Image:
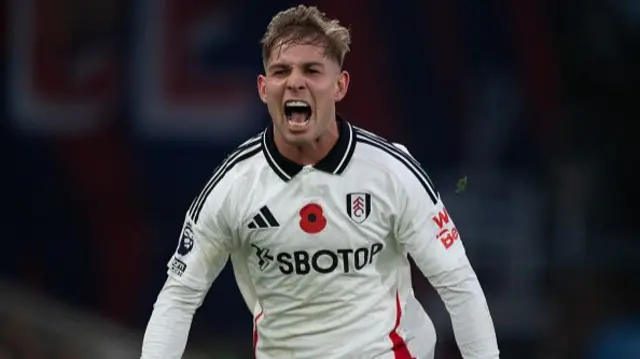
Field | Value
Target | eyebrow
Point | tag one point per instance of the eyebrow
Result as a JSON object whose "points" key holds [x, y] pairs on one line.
{"points": [[313, 63], [304, 64]]}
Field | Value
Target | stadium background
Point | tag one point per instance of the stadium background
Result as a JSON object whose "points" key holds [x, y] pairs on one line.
{"points": [[117, 112]]}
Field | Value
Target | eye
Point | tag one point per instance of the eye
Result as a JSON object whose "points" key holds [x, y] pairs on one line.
{"points": [[278, 71], [313, 71]]}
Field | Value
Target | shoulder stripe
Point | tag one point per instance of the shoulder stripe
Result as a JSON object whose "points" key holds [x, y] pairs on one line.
{"points": [[408, 156], [244, 152], [250, 141], [392, 146], [411, 163]]}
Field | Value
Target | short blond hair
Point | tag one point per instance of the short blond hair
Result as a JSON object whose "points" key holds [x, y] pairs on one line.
{"points": [[306, 25]]}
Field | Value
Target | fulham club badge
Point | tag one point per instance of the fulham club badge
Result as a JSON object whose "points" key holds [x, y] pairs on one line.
{"points": [[358, 206]]}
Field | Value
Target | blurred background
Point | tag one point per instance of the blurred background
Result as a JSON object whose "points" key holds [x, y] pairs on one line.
{"points": [[116, 113]]}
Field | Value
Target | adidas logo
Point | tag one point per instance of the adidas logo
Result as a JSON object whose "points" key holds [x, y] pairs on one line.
{"points": [[264, 219]]}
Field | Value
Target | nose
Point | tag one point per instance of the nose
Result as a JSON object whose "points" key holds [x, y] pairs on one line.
{"points": [[296, 81]]}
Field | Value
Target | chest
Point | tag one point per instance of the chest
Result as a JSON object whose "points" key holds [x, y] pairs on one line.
{"points": [[316, 211]]}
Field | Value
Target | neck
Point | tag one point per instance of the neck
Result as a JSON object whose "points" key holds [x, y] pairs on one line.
{"points": [[311, 153]]}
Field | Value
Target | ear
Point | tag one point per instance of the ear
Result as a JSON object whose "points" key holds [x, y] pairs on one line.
{"points": [[342, 85], [262, 88]]}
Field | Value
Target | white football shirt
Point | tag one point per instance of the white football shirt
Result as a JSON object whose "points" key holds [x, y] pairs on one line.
{"points": [[320, 253]]}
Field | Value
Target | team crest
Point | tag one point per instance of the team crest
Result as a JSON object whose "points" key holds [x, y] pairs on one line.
{"points": [[358, 206]]}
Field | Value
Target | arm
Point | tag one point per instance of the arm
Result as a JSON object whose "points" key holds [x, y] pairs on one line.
{"points": [[427, 232], [202, 252]]}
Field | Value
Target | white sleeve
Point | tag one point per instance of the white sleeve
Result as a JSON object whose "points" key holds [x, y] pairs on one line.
{"points": [[202, 252], [168, 329], [426, 231]]}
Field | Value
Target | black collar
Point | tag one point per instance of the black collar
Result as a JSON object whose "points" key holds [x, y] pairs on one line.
{"points": [[335, 162]]}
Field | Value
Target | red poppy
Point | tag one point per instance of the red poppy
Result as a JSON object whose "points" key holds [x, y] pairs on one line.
{"points": [[312, 218]]}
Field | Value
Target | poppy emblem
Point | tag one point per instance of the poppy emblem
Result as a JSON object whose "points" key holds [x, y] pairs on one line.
{"points": [[312, 218]]}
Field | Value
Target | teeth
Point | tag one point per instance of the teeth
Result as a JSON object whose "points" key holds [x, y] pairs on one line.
{"points": [[296, 104]]}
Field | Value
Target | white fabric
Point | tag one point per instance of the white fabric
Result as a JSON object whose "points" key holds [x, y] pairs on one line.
{"points": [[336, 293]]}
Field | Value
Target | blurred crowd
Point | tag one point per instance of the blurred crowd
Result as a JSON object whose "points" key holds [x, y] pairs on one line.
{"points": [[20, 341]]}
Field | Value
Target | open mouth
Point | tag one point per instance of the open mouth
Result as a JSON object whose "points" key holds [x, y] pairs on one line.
{"points": [[298, 113]]}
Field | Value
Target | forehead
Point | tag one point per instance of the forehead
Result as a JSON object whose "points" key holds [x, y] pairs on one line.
{"points": [[298, 53]]}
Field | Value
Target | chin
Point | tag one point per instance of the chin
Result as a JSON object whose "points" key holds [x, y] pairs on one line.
{"points": [[297, 135], [298, 138]]}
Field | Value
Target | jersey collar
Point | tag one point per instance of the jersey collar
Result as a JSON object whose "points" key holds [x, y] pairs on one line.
{"points": [[335, 162]]}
